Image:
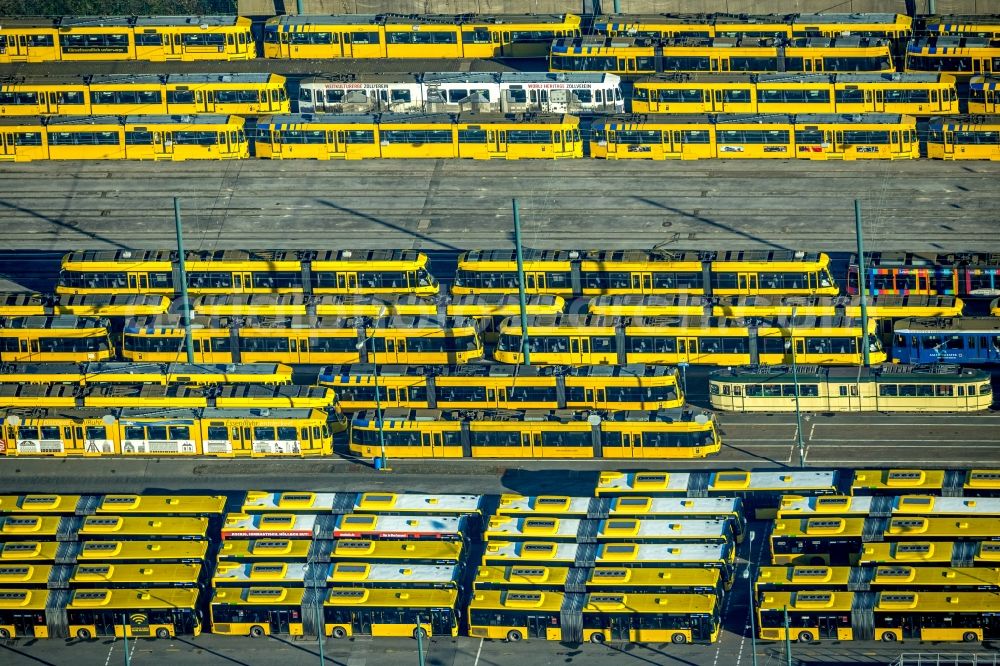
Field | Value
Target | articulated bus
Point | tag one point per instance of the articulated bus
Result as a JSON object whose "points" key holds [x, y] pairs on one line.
{"points": [[964, 274], [164, 374], [103, 527], [345, 612], [158, 575], [839, 541], [846, 506], [709, 508], [390, 527], [962, 57], [404, 135], [589, 340], [194, 551], [905, 481], [879, 388], [448, 340], [206, 431], [134, 94], [462, 92], [597, 617], [167, 396], [433, 433], [876, 579], [103, 38], [931, 553], [27, 304], [739, 136], [880, 306], [384, 503], [887, 26], [105, 137], [119, 504], [889, 616], [616, 554], [657, 271], [965, 137], [90, 613], [601, 579], [366, 551], [910, 94], [631, 56], [368, 36], [61, 338], [646, 530], [247, 272], [611, 387]]}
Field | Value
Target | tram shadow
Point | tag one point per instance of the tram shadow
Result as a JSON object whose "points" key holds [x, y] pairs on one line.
{"points": [[551, 481]]}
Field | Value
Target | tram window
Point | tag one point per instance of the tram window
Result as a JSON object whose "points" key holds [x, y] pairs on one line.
{"points": [[218, 433], [695, 136], [584, 96], [517, 95], [359, 137], [924, 390], [189, 138], [753, 136], [476, 36], [27, 138], [736, 95], [955, 342], [143, 138], [95, 432], [287, 433], [644, 63], [585, 63], [328, 344], [255, 344], [55, 345], [566, 438], [203, 39], [18, 98], [83, 138], [611, 438], [498, 438], [529, 136], [939, 64], [421, 37], [601, 343], [977, 138], [180, 97], [683, 64], [866, 137], [306, 38], [279, 280], [805, 390], [724, 280], [888, 390], [416, 136], [41, 40], [461, 393], [263, 433], [772, 390], [156, 432], [400, 95], [944, 390], [558, 280], [849, 96], [237, 96], [672, 95], [754, 390], [650, 344], [750, 64], [148, 39], [210, 280], [135, 432], [983, 280], [781, 280], [471, 136], [723, 345], [365, 37]]}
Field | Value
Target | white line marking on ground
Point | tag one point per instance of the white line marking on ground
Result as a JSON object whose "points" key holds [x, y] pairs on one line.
{"points": [[479, 651]]}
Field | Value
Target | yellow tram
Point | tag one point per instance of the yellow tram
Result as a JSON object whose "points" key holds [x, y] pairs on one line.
{"points": [[964, 138]]}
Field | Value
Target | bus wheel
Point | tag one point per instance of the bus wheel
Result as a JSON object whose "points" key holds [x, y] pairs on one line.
{"points": [[256, 631], [889, 637], [677, 639], [597, 638], [83, 634], [514, 636], [805, 637], [4, 634], [420, 633], [162, 632], [338, 632], [970, 637]]}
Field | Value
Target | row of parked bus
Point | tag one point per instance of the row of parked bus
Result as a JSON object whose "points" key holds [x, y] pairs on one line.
{"points": [[487, 136], [888, 568], [259, 94]]}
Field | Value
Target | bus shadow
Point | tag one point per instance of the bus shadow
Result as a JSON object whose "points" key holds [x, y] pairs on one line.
{"points": [[22, 653], [629, 650], [212, 652], [314, 652]]}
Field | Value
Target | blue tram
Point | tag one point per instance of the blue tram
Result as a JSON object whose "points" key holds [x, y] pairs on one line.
{"points": [[967, 340]]}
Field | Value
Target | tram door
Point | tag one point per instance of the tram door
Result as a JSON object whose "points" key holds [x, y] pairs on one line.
{"points": [[242, 283], [336, 143], [497, 140], [395, 351], [579, 350], [626, 65], [875, 100], [631, 445], [496, 397], [595, 397], [534, 282], [7, 145], [432, 444], [138, 283], [748, 283], [163, 143], [347, 282], [687, 350], [949, 143], [642, 283]]}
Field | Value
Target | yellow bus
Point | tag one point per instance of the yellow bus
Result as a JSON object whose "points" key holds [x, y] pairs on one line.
{"points": [[141, 551], [962, 57], [910, 94], [384, 503], [877, 578], [736, 136], [415, 36], [106, 526], [888, 26], [886, 306], [964, 137], [247, 271], [91, 374], [612, 387], [62, 432], [889, 616], [265, 549], [904, 481], [25, 576], [29, 552], [57, 338], [684, 433], [884, 388], [512, 528], [119, 504], [147, 575], [25, 304], [124, 95], [793, 506], [981, 483], [433, 136], [590, 340], [597, 617], [840, 541], [674, 580], [104, 137], [23, 613], [150, 612], [631, 56], [438, 340], [657, 271]]}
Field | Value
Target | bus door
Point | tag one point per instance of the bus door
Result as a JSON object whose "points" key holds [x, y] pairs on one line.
{"points": [[579, 350], [347, 282], [875, 100], [280, 621], [138, 283], [829, 628], [747, 283], [642, 283], [432, 444], [595, 397], [620, 627], [497, 141], [242, 282], [537, 626]]}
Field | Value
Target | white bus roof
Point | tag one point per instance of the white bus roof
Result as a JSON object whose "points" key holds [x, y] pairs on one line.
{"points": [[348, 572]]}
